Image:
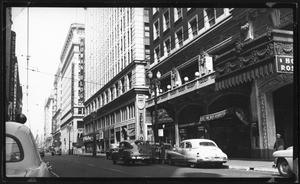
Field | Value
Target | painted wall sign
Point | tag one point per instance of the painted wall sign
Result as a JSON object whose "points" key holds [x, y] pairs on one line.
{"points": [[285, 64]]}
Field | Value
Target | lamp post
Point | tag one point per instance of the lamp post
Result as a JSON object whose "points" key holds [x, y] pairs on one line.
{"points": [[69, 128], [154, 84], [94, 133]]}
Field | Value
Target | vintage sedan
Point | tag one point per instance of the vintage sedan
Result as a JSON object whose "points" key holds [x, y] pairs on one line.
{"points": [[283, 160], [132, 151], [21, 153], [112, 148], [194, 152]]}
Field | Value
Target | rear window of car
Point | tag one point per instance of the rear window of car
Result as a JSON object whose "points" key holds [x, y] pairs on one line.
{"points": [[207, 144], [13, 149]]}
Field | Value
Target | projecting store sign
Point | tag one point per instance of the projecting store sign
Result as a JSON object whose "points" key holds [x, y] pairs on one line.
{"points": [[285, 64]]}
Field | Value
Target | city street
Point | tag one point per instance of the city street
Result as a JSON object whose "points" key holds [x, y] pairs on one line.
{"points": [[99, 167]]}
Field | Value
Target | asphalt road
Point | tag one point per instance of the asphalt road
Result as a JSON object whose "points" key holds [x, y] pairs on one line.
{"points": [[74, 166]]}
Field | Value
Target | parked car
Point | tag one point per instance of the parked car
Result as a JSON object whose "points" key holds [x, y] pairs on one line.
{"points": [[56, 151], [194, 152], [21, 153], [161, 151], [167, 148], [132, 151], [112, 148], [42, 152], [283, 160]]}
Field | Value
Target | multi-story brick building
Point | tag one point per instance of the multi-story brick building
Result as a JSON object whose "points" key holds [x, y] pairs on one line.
{"points": [[226, 74]]}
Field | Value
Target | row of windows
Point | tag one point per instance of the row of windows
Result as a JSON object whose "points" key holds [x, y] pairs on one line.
{"points": [[123, 114], [195, 27], [111, 93]]}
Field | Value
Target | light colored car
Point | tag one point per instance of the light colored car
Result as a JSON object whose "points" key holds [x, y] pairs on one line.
{"points": [[194, 152], [283, 160], [132, 151], [22, 156]]}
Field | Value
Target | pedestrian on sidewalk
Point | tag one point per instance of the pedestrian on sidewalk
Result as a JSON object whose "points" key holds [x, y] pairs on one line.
{"points": [[279, 144]]}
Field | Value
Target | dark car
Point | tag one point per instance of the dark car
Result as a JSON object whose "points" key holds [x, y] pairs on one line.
{"points": [[113, 147], [42, 152], [56, 151], [132, 151]]}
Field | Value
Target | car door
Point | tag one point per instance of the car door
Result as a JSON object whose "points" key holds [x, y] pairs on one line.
{"points": [[179, 156], [186, 151]]}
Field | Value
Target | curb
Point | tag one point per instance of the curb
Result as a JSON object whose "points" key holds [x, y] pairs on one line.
{"points": [[253, 169]]}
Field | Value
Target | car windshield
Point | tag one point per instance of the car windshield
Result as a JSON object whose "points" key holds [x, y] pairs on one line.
{"points": [[207, 144]]}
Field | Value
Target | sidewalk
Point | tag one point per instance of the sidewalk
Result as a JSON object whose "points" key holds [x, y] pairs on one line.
{"points": [[249, 164], [235, 163]]}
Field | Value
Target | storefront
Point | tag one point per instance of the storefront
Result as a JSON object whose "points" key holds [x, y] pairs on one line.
{"points": [[230, 130]]}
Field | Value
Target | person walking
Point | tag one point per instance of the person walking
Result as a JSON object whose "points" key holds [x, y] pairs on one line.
{"points": [[279, 143]]}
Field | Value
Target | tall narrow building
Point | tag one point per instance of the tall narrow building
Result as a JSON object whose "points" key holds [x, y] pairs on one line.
{"points": [[117, 45], [71, 80]]}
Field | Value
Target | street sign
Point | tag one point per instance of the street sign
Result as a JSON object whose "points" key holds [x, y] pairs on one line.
{"points": [[285, 64]]}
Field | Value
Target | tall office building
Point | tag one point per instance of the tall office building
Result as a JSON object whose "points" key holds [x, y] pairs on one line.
{"points": [[117, 44]]}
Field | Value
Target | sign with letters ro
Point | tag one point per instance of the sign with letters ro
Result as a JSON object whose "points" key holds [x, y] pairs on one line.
{"points": [[285, 64]]}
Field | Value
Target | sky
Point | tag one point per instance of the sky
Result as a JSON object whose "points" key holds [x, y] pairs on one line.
{"points": [[48, 28]]}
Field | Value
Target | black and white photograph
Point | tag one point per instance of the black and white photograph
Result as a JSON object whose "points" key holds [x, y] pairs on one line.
{"points": [[149, 92]]}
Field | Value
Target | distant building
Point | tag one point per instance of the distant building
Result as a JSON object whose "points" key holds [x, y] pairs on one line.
{"points": [[71, 74], [48, 114]]}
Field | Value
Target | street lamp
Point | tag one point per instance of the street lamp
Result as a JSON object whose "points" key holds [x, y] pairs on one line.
{"points": [[94, 133], [154, 84]]}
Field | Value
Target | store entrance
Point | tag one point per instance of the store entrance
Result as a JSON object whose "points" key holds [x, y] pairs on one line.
{"points": [[283, 110], [232, 136]]}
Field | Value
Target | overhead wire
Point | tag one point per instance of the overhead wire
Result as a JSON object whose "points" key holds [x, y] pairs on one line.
{"points": [[147, 59]]}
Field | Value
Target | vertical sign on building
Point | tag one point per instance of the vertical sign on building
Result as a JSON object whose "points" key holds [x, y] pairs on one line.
{"points": [[81, 73], [72, 89]]}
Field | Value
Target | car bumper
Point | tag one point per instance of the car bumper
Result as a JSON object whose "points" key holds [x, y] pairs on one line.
{"points": [[211, 160], [140, 158]]}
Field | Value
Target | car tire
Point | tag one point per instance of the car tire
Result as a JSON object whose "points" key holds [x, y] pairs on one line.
{"points": [[171, 162], [284, 169]]}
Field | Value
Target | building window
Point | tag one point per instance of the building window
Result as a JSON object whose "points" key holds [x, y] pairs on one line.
{"points": [[146, 11], [179, 38], [167, 47], [155, 10], [212, 14], [156, 54], [146, 27], [193, 27], [166, 20], [177, 13], [147, 51], [156, 29]]}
